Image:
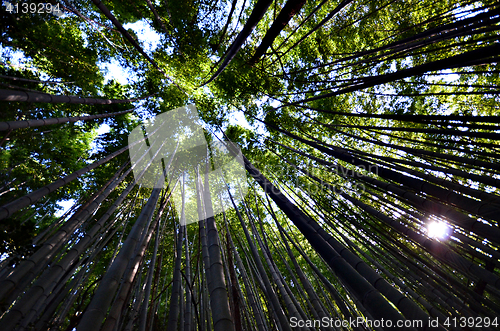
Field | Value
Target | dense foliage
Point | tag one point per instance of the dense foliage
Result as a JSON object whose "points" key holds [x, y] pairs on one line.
{"points": [[363, 125]]}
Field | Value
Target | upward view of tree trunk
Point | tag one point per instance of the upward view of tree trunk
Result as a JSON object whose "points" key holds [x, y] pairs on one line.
{"points": [[250, 165], [12, 125], [259, 10], [10, 95], [290, 9]]}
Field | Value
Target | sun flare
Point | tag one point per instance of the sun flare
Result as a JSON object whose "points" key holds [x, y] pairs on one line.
{"points": [[437, 230]]}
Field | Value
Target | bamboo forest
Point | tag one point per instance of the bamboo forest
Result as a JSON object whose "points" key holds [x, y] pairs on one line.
{"points": [[297, 165]]}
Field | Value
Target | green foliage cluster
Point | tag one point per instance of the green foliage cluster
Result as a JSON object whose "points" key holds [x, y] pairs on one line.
{"points": [[302, 97]]}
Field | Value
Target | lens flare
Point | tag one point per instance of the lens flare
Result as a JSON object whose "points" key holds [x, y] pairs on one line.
{"points": [[437, 230]]}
